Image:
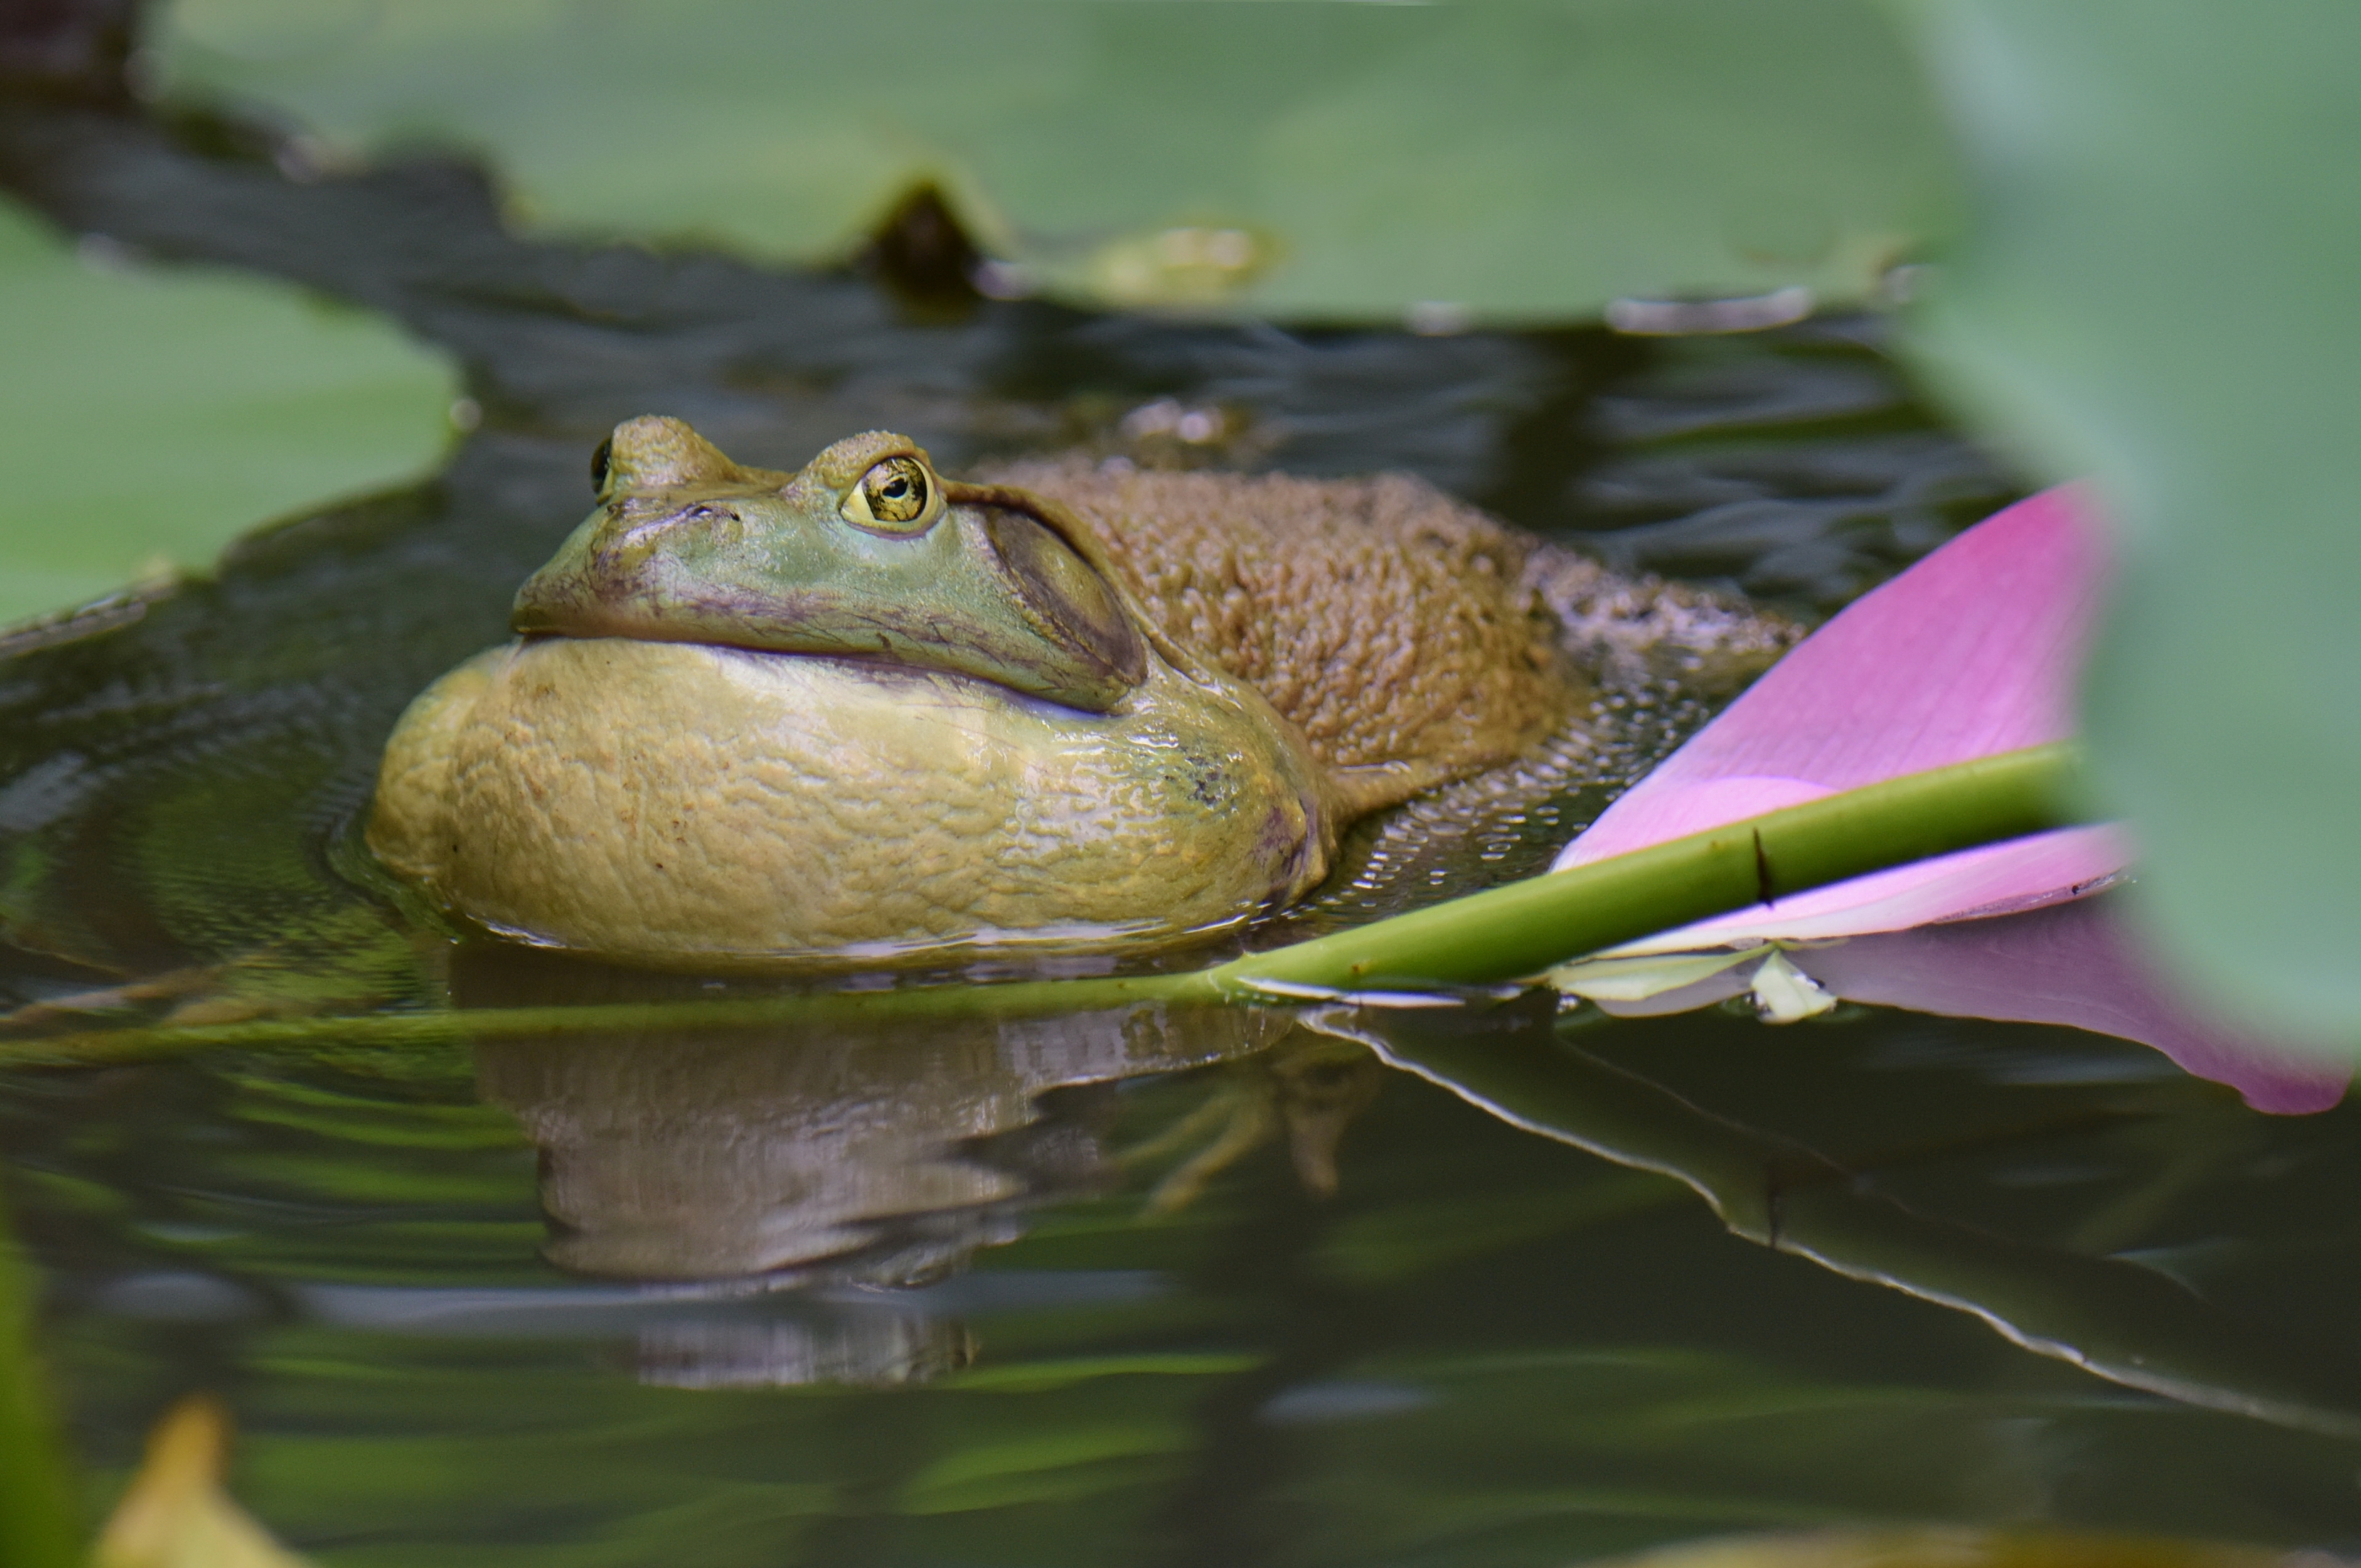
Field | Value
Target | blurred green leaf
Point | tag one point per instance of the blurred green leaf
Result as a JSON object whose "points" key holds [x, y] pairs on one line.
{"points": [[2157, 291], [36, 1522], [152, 413], [1307, 160]]}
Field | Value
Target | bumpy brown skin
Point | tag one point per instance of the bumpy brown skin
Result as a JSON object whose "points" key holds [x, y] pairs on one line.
{"points": [[1393, 625]]}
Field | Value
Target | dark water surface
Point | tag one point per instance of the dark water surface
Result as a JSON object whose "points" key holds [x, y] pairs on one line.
{"points": [[1283, 1286]]}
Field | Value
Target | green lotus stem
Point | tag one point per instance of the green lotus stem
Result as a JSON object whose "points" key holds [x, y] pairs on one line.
{"points": [[1503, 934], [39, 1526], [2118, 1321], [1509, 933], [1026, 998]]}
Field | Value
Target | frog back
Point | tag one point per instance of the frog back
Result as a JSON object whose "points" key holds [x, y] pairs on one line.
{"points": [[1396, 628]]}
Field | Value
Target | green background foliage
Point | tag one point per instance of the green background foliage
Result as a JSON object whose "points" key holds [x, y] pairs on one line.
{"points": [[2155, 290], [37, 1516], [152, 413], [1530, 161]]}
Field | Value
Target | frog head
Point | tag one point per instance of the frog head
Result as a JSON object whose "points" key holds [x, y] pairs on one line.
{"points": [[867, 553]]}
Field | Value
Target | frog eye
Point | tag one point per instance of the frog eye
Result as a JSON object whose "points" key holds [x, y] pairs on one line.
{"points": [[897, 496]]}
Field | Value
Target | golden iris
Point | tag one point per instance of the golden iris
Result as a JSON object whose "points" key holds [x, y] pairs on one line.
{"points": [[896, 494]]}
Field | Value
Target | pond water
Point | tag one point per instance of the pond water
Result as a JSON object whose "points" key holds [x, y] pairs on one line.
{"points": [[1317, 1285]]}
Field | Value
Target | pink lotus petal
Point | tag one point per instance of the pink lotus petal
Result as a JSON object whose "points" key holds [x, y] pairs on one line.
{"points": [[1971, 652], [2073, 964], [2070, 963], [2021, 874]]}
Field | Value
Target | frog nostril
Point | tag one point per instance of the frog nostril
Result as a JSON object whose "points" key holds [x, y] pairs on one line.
{"points": [[600, 462]]}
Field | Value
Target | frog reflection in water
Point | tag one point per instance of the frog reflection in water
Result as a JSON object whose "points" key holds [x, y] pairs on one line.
{"points": [[864, 710], [710, 1155], [873, 1153]]}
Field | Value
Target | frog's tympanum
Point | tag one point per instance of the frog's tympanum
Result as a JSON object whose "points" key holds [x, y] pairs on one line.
{"points": [[864, 710]]}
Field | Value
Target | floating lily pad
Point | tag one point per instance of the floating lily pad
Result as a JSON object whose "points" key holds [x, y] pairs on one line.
{"points": [[152, 413], [2157, 291], [1306, 159]]}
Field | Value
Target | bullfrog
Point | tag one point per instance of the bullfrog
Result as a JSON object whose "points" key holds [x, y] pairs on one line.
{"points": [[869, 711]]}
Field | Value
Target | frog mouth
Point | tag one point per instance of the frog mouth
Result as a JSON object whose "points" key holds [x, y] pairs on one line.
{"points": [[877, 642], [1022, 625]]}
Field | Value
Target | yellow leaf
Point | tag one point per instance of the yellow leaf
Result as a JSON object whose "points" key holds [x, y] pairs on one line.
{"points": [[176, 1514]]}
